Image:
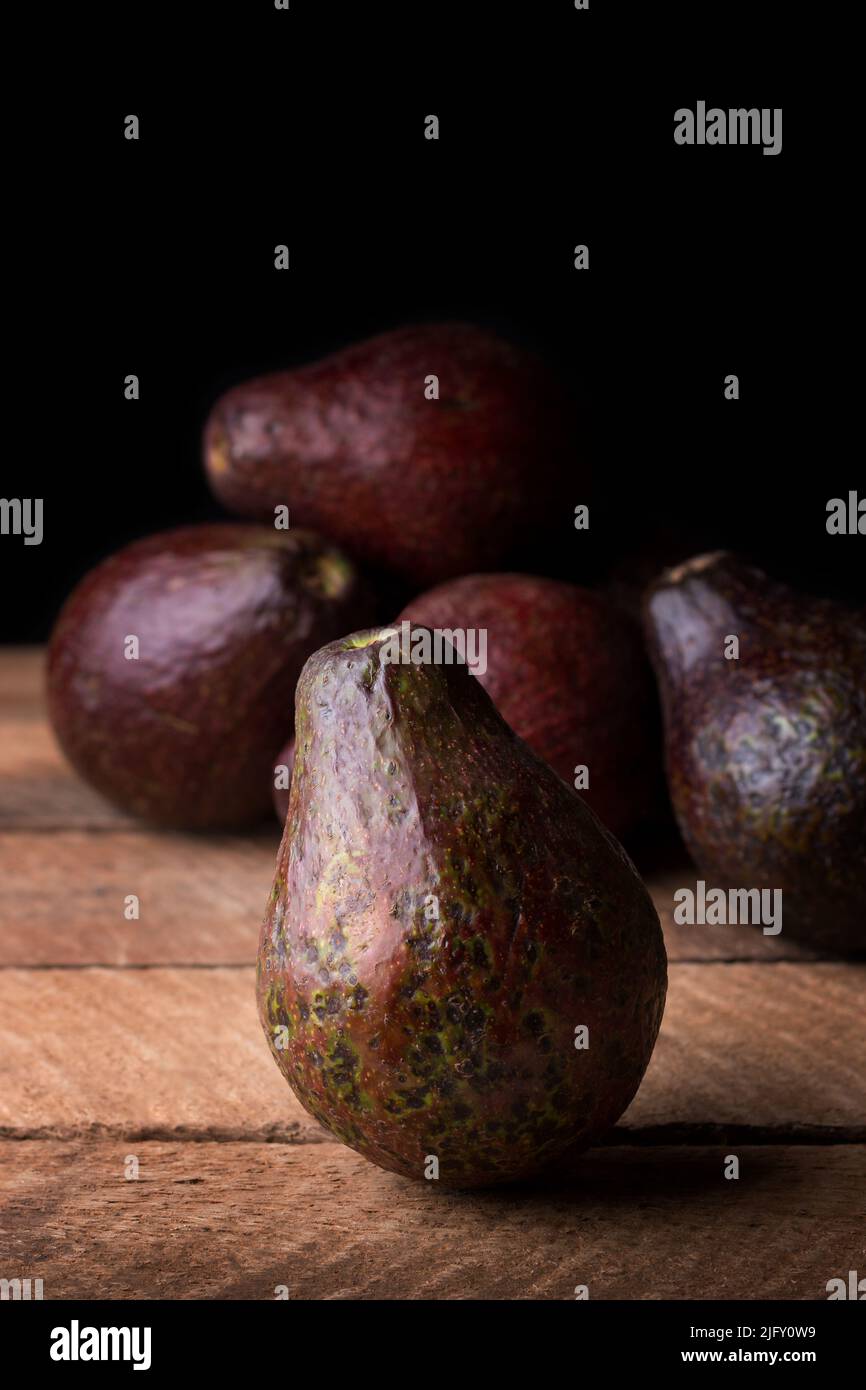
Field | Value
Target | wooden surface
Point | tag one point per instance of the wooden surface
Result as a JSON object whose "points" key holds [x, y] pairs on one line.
{"points": [[140, 1038], [237, 1220]]}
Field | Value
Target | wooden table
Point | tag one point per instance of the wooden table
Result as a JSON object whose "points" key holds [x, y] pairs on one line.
{"points": [[135, 1046]]}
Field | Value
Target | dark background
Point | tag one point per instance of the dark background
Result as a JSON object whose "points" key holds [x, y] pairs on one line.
{"points": [[307, 128]]}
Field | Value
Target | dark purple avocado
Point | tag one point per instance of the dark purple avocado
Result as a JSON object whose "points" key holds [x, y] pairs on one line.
{"points": [[422, 487], [446, 913], [766, 754], [224, 616], [568, 671]]}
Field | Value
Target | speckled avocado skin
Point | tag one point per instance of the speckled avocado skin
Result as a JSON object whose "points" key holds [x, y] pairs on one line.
{"points": [[423, 488], [445, 913], [766, 755], [568, 671], [225, 616]]}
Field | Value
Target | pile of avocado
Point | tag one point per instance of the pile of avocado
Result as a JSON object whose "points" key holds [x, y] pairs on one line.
{"points": [[460, 968]]}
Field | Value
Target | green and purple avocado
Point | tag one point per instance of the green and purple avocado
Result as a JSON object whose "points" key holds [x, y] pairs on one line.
{"points": [[766, 753], [446, 920]]}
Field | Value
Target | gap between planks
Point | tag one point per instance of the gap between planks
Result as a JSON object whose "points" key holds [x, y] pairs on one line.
{"points": [[660, 1136], [240, 965]]}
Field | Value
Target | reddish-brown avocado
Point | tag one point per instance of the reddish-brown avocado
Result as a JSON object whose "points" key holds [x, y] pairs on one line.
{"points": [[426, 488], [446, 915], [568, 671], [172, 666], [766, 754]]}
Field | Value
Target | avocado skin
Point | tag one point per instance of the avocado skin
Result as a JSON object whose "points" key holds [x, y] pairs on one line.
{"points": [[445, 913], [425, 489], [568, 671], [766, 755], [226, 615]]}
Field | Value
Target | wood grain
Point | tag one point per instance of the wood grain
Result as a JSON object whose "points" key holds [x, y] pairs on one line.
{"points": [[165, 1053], [201, 898], [236, 1221]]}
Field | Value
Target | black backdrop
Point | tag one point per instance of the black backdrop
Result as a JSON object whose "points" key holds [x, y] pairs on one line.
{"points": [[306, 127]]}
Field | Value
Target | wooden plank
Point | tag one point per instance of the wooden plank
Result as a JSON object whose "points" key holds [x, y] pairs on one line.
{"points": [[167, 1052], [201, 898], [779, 1049], [38, 788], [22, 681], [163, 1053], [237, 1221]]}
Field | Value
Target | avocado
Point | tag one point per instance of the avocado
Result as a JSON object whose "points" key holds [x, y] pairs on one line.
{"points": [[172, 666], [460, 973], [766, 748], [568, 671], [425, 452]]}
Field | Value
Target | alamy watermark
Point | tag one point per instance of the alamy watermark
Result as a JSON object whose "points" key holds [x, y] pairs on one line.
{"points": [[20, 1290], [438, 646], [736, 126], [853, 1287], [716, 908], [22, 516], [77, 1343], [847, 516]]}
